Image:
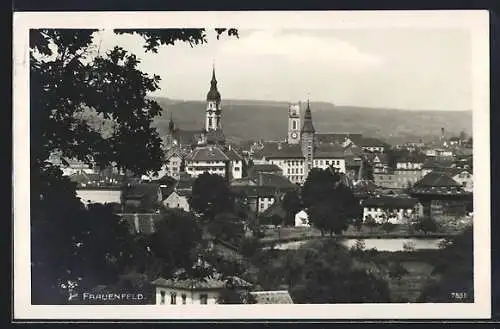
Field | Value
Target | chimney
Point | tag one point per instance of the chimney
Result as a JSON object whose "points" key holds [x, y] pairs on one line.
{"points": [[279, 146], [260, 179], [229, 147]]}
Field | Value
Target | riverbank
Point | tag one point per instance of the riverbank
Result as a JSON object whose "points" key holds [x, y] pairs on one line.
{"points": [[269, 241]]}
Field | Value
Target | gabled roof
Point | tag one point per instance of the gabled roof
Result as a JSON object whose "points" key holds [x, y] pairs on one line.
{"points": [[432, 163], [233, 154], [272, 297], [192, 284], [329, 152], [266, 167], [207, 153], [436, 179], [452, 172], [140, 190], [283, 151], [273, 180], [390, 202], [371, 141]]}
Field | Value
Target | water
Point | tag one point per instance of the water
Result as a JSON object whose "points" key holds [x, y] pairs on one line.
{"points": [[379, 244]]}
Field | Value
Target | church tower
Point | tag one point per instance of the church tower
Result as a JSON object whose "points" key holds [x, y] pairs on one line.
{"points": [[293, 124], [213, 114], [307, 141]]}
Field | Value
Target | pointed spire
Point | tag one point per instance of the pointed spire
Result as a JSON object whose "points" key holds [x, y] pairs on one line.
{"points": [[308, 126], [213, 93], [171, 124]]}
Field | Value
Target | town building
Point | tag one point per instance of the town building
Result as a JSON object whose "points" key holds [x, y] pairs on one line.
{"points": [[442, 197], [396, 210], [463, 177], [191, 291], [379, 162], [261, 191], [178, 200]]}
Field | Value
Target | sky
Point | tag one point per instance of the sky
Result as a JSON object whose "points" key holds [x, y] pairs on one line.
{"points": [[402, 68]]}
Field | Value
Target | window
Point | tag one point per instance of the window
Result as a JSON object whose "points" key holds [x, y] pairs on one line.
{"points": [[327, 162], [236, 168], [210, 122], [162, 295], [183, 296], [173, 298], [203, 299], [294, 123]]}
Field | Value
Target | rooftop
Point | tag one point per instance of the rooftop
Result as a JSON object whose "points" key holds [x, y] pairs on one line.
{"points": [[192, 284], [436, 179], [207, 153], [390, 202], [272, 297]]}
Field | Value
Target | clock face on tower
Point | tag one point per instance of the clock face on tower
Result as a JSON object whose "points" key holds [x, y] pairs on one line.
{"points": [[294, 135]]}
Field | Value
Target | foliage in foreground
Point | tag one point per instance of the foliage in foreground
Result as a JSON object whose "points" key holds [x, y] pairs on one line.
{"points": [[69, 79]]}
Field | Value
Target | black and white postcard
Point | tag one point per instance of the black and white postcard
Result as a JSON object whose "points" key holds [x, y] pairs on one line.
{"points": [[218, 165]]}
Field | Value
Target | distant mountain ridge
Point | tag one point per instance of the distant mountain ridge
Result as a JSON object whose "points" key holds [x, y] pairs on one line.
{"points": [[257, 119]]}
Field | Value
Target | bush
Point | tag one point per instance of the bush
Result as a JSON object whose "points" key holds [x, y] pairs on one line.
{"points": [[426, 225], [388, 227]]}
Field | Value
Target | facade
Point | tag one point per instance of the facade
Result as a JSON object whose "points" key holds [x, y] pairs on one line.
{"points": [[173, 163], [293, 124], [170, 292], [177, 200], [396, 210], [379, 163], [214, 159], [443, 198], [372, 145], [262, 191]]}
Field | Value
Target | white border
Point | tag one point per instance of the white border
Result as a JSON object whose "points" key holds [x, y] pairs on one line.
{"points": [[477, 22]]}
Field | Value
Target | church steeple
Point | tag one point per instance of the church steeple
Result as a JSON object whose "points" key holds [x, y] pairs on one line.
{"points": [[213, 114], [213, 93], [308, 126], [171, 124]]}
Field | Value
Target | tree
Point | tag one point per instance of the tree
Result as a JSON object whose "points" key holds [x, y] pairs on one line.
{"points": [[426, 224], [249, 246], [227, 227], [232, 296], [210, 195], [175, 241], [291, 205], [397, 271], [331, 205], [371, 223], [71, 83], [358, 223], [388, 227], [326, 272]]}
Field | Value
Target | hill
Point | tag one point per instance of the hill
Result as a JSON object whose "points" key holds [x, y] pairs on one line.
{"points": [[250, 120]]}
